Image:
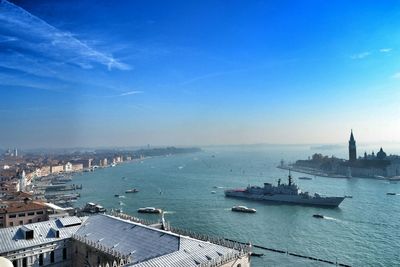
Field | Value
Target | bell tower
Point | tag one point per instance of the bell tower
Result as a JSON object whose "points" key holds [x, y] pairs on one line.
{"points": [[352, 148]]}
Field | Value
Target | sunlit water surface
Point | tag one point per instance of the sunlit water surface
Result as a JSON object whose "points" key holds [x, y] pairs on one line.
{"points": [[364, 230]]}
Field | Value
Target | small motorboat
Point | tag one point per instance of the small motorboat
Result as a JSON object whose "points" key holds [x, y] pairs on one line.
{"points": [[133, 190], [243, 209], [391, 194], [319, 216], [213, 192], [305, 178], [149, 210], [116, 195]]}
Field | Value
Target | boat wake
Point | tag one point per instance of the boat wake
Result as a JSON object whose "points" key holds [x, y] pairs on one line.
{"points": [[121, 196], [169, 212], [330, 218]]}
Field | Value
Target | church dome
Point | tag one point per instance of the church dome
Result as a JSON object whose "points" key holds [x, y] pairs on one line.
{"points": [[381, 154]]}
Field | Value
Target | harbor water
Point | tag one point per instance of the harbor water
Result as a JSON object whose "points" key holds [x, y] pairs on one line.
{"points": [[363, 231]]}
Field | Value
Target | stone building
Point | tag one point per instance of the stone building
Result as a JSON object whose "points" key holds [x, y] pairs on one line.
{"points": [[14, 213], [57, 168]]}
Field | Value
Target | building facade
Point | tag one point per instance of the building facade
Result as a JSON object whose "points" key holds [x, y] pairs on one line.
{"points": [[13, 213]]}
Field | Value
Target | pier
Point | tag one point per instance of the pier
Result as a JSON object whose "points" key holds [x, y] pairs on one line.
{"points": [[292, 254]]}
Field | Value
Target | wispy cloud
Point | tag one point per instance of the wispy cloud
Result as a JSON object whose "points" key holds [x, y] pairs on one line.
{"points": [[361, 55], [131, 93], [211, 75], [396, 75], [123, 94], [385, 50], [34, 35]]}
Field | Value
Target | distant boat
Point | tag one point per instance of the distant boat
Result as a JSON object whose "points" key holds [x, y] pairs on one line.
{"points": [[149, 210], [113, 165], [93, 208], [213, 192], [391, 194], [133, 190], [305, 178], [319, 216], [243, 209], [116, 195]]}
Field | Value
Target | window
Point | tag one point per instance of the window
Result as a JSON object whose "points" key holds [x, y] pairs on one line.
{"points": [[41, 260], [21, 215], [52, 256], [39, 212], [24, 262], [31, 213], [21, 222], [12, 216], [30, 221], [64, 253], [11, 224], [15, 263], [39, 219]]}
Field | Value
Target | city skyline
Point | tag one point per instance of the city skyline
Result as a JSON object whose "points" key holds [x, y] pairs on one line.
{"points": [[75, 74]]}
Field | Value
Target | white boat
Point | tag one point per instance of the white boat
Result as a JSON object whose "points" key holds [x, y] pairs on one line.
{"points": [[149, 210], [243, 209], [133, 190]]}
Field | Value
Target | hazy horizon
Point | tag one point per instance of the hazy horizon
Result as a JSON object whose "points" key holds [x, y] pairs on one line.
{"points": [[79, 74]]}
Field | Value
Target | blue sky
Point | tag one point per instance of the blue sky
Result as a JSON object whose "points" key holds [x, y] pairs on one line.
{"points": [[105, 73]]}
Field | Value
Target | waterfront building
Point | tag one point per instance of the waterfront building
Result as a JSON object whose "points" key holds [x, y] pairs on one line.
{"points": [[77, 167], [44, 171], [105, 240], [68, 167], [57, 169], [86, 163]]}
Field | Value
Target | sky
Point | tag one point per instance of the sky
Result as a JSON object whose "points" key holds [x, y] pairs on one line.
{"points": [[130, 73]]}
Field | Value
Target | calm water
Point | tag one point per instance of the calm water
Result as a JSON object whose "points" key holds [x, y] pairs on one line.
{"points": [[364, 231]]}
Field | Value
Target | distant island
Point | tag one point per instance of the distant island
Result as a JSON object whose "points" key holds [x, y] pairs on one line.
{"points": [[379, 165]]}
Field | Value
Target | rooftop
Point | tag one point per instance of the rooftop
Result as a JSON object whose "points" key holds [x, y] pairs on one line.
{"points": [[21, 206], [147, 246], [12, 238]]}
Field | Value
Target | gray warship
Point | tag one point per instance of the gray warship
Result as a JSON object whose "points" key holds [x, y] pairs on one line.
{"points": [[284, 193]]}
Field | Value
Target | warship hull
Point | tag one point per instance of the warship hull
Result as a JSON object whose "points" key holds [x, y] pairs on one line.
{"points": [[331, 202]]}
